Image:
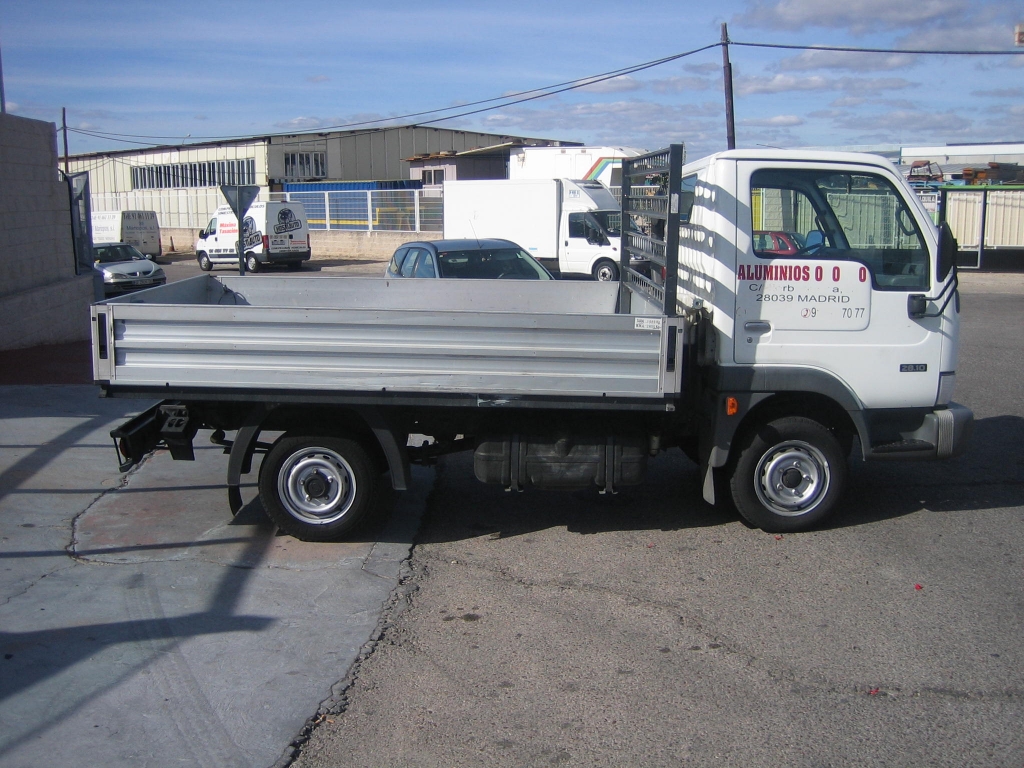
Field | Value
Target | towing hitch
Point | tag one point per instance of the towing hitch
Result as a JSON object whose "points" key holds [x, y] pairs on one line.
{"points": [[165, 424]]}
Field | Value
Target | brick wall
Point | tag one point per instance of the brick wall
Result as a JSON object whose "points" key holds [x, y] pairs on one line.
{"points": [[42, 301]]}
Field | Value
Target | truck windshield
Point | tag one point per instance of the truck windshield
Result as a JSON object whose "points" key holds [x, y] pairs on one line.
{"points": [[491, 263], [609, 221], [825, 214]]}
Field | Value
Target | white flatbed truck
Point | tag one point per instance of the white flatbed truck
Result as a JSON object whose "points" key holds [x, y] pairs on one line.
{"points": [[765, 368]]}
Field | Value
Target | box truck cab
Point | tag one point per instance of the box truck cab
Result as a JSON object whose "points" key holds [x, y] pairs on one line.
{"points": [[138, 228], [272, 233], [602, 164], [570, 226]]}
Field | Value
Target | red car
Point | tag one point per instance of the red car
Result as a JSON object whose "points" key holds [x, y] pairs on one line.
{"points": [[778, 243]]}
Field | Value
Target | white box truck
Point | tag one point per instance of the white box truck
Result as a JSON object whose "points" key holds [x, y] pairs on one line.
{"points": [[767, 369], [571, 226], [602, 164], [272, 233], [138, 228]]}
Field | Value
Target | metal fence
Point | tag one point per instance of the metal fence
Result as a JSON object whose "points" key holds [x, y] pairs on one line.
{"points": [[388, 210]]}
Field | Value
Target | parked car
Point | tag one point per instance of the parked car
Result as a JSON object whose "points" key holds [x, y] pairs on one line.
{"points": [[778, 243], [473, 259], [124, 268]]}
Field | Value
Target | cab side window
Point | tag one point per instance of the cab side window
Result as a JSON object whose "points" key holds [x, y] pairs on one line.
{"points": [[395, 267], [425, 266], [410, 261], [577, 225], [822, 214], [211, 228]]}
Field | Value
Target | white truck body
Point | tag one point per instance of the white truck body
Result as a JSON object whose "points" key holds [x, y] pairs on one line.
{"points": [[602, 164], [765, 367], [569, 225], [138, 228], [273, 233]]}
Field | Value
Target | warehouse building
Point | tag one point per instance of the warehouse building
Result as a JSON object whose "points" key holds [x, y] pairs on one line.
{"points": [[181, 182]]}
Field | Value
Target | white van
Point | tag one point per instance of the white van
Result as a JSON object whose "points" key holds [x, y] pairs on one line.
{"points": [[138, 228], [273, 233]]}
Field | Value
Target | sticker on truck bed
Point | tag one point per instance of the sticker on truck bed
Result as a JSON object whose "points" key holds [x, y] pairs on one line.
{"points": [[804, 295], [647, 323]]}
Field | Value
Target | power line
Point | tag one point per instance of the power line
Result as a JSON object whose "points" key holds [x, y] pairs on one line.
{"points": [[914, 51], [533, 94], [508, 100]]}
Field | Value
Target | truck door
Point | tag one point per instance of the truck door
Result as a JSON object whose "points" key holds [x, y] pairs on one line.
{"points": [[838, 303], [583, 243]]}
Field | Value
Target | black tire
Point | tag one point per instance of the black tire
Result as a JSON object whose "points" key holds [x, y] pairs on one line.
{"points": [[789, 475], [252, 264], [605, 271], [204, 262], [318, 488]]}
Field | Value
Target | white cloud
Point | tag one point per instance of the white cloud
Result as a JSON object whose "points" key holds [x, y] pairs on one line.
{"points": [[748, 86], [858, 17], [848, 101], [757, 84], [898, 120], [682, 84], [967, 33], [12, 106], [302, 124], [620, 84], [778, 121], [858, 62], [633, 122], [1001, 93]]}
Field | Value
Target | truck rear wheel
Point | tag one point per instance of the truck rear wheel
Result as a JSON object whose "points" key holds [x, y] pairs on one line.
{"points": [[606, 271], [204, 262], [317, 488], [252, 263], [789, 475]]}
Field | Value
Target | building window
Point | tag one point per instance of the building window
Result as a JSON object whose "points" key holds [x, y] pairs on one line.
{"points": [[209, 174], [433, 176], [305, 165]]}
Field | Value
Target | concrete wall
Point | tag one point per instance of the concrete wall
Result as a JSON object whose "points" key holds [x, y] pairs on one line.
{"points": [[325, 244], [42, 300]]}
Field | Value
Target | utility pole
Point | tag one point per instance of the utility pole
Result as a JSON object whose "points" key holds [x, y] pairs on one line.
{"points": [[64, 126], [730, 124], [3, 101]]}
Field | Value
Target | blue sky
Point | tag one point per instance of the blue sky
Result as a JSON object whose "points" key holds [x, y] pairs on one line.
{"points": [[182, 71]]}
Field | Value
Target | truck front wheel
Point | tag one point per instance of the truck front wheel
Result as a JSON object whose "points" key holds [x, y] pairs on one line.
{"points": [[606, 271], [317, 488], [789, 475], [204, 262]]}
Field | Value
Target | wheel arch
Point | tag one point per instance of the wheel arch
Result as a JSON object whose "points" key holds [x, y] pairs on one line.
{"points": [[367, 424], [811, 405]]}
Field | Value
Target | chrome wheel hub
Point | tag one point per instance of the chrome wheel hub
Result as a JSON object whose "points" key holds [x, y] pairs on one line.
{"points": [[792, 478]]}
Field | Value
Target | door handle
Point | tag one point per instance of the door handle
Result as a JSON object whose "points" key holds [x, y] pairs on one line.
{"points": [[757, 326]]}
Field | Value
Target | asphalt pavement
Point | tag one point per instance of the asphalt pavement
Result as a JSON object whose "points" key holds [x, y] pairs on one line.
{"points": [[648, 629], [141, 625]]}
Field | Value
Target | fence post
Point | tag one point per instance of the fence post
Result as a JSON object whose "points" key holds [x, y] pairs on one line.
{"points": [[369, 210], [416, 207], [327, 210]]}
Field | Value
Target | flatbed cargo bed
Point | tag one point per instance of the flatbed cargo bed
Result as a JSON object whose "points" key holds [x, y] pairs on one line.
{"points": [[294, 334]]}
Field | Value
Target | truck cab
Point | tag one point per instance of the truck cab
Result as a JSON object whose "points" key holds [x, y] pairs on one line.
{"points": [[589, 228], [854, 332]]}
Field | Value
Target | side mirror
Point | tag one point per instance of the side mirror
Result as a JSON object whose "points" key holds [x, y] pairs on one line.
{"points": [[917, 305], [202, 234], [948, 248]]}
